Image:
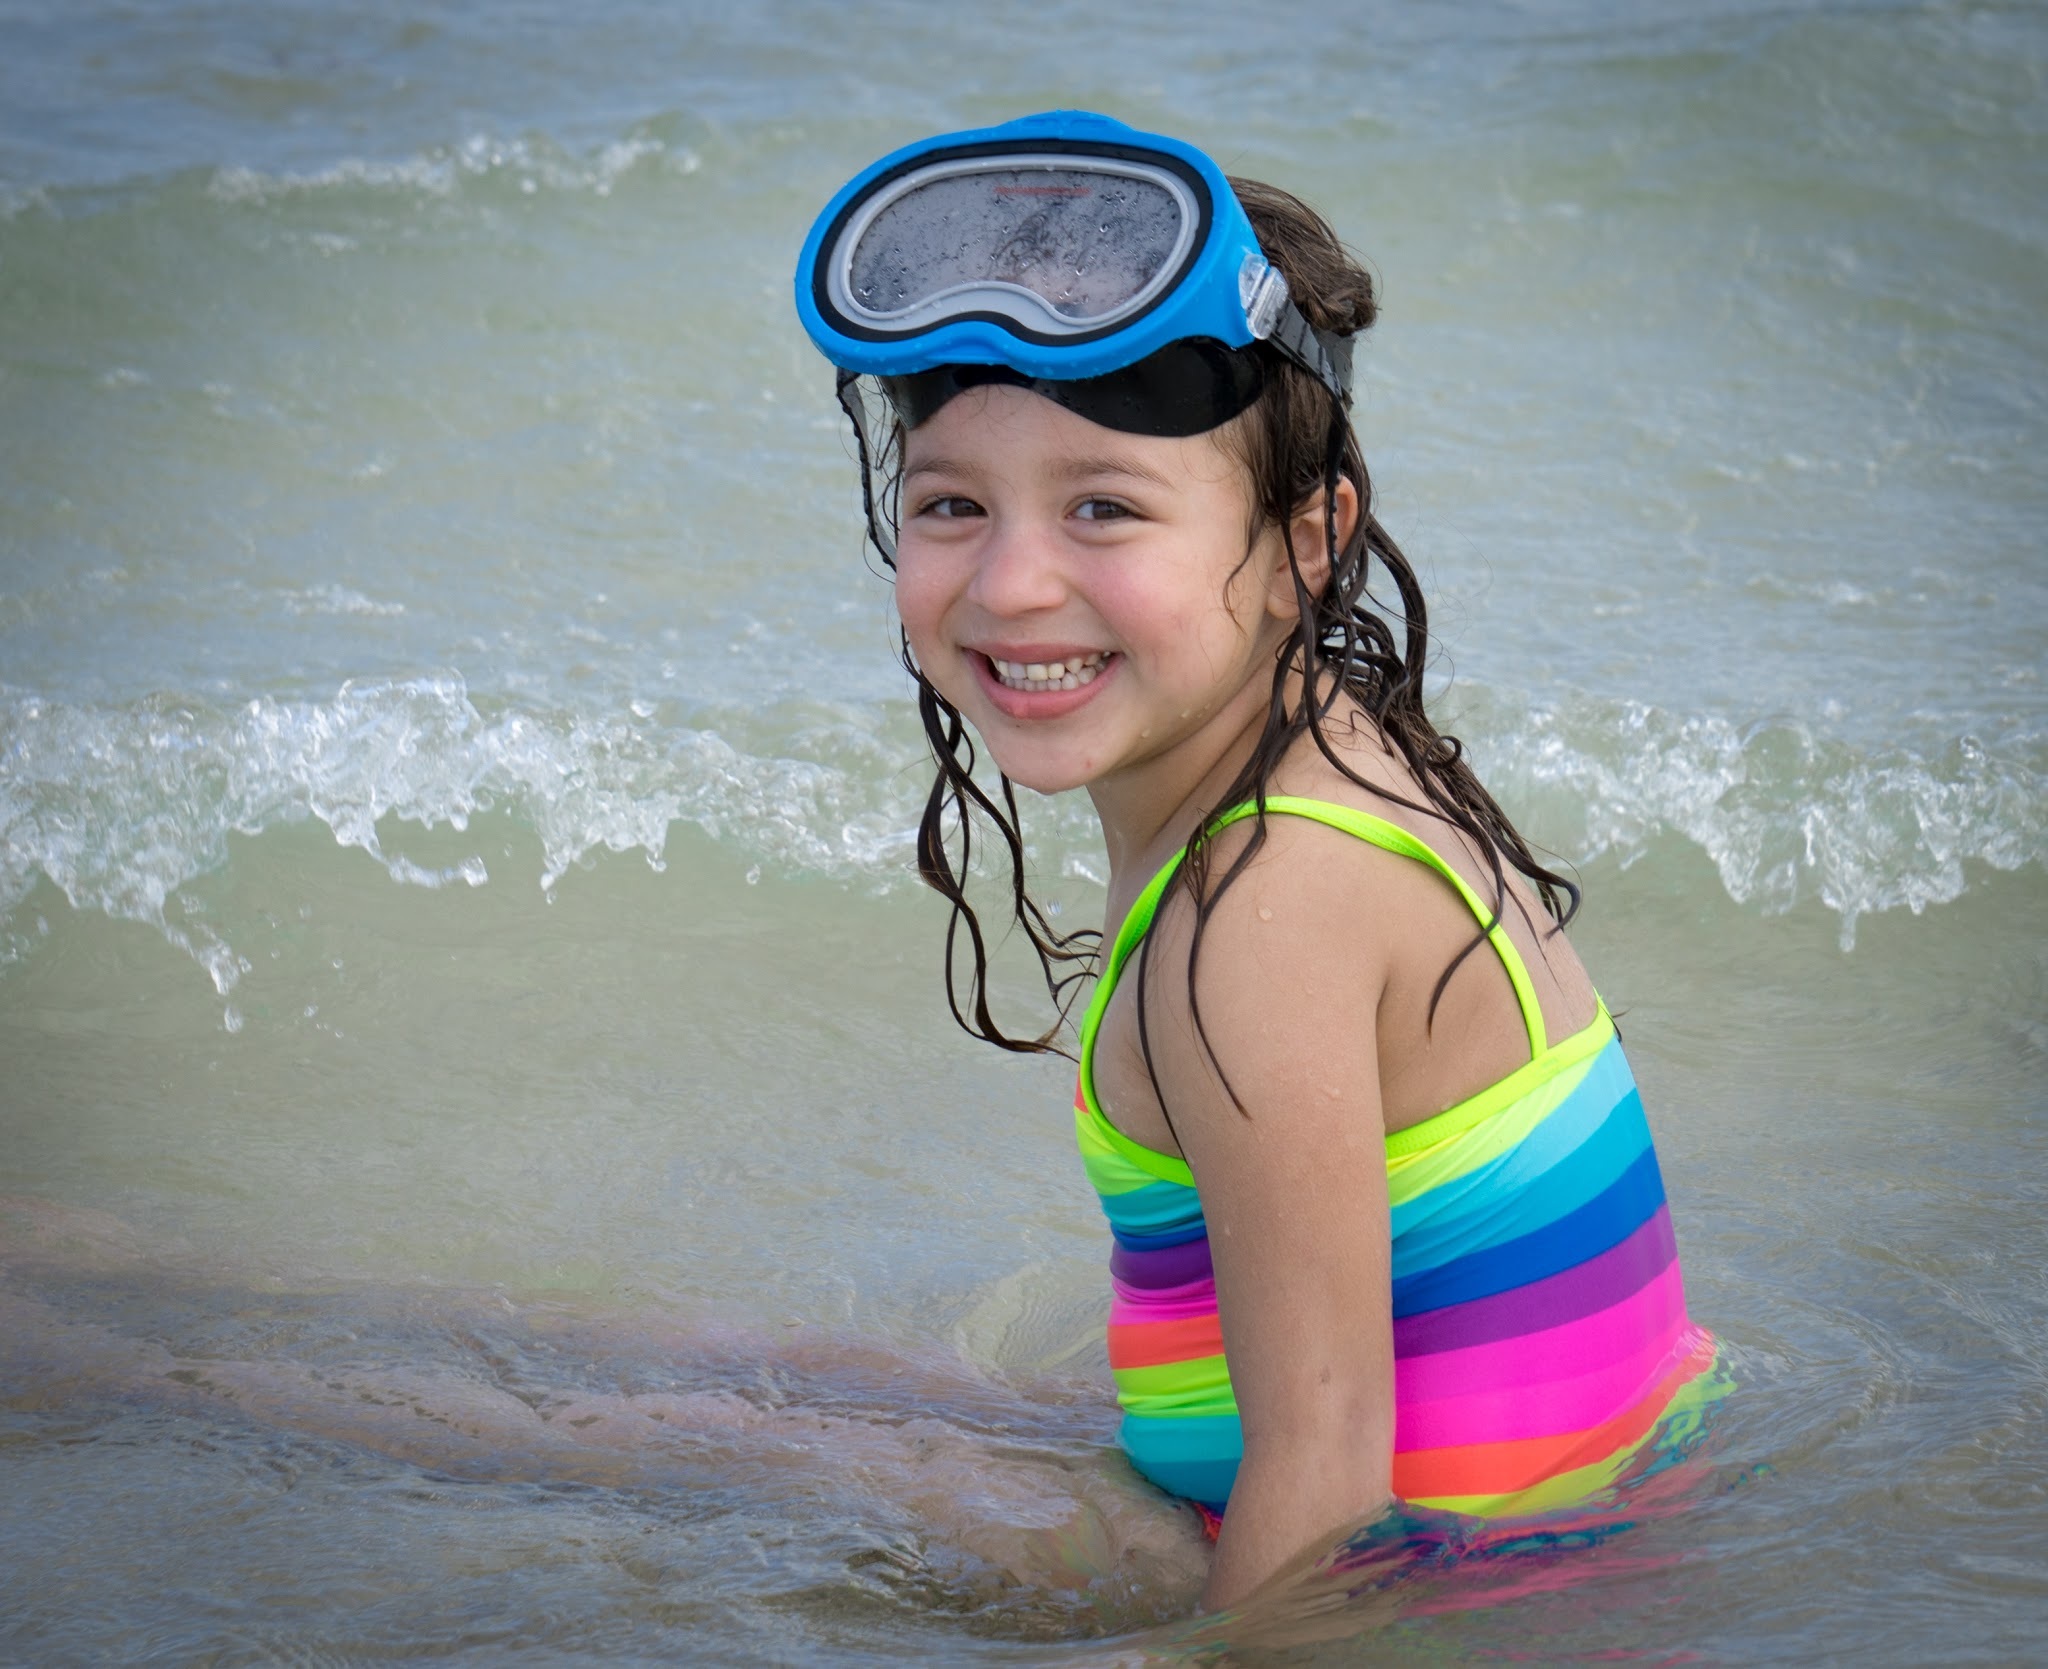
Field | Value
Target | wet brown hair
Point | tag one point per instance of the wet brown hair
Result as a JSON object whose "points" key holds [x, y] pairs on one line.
{"points": [[1294, 442]]}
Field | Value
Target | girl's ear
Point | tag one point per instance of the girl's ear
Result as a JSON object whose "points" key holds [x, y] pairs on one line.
{"points": [[1311, 549]]}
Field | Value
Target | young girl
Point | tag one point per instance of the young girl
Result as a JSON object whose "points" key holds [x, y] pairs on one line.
{"points": [[1387, 1221]]}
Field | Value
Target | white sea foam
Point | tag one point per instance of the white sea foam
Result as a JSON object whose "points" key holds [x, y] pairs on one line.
{"points": [[16, 199], [534, 163], [120, 808], [1785, 814], [336, 599]]}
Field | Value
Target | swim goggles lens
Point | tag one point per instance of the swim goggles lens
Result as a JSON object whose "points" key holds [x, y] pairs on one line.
{"points": [[1054, 249]]}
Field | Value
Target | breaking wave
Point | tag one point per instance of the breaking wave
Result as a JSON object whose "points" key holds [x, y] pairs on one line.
{"points": [[120, 807], [1784, 813]]}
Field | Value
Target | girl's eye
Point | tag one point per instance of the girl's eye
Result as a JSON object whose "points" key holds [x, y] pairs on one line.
{"points": [[1102, 510], [949, 505]]}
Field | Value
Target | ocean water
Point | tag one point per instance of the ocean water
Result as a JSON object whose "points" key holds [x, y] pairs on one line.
{"points": [[456, 793]]}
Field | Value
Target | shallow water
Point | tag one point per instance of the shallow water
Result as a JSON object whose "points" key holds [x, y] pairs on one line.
{"points": [[454, 795]]}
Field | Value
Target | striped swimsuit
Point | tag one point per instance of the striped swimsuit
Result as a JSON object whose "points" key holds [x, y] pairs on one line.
{"points": [[1540, 1331]]}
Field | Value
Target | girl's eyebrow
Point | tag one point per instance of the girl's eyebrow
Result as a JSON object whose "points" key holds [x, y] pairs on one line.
{"points": [[1075, 469], [936, 466], [1066, 469]]}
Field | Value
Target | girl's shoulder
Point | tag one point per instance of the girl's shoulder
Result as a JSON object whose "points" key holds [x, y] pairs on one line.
{"points": [[1336, 878], [1367, 825], [1353, 924], [1390, 900], [1376, 810]]}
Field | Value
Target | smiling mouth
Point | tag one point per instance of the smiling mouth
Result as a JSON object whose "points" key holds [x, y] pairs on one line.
{"points": [[1069, 674]]}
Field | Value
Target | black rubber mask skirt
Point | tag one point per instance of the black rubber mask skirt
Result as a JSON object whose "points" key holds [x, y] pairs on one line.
{"points": [[1186, 388]]}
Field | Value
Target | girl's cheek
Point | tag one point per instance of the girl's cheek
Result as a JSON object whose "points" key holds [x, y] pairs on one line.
{"points": [[920, 602]]}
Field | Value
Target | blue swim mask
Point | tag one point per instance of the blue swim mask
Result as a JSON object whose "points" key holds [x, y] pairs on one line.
{"points": [[1109, 270]]}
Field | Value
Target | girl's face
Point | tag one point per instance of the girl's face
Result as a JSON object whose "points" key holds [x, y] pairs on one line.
{"points": [[1084, 597]]}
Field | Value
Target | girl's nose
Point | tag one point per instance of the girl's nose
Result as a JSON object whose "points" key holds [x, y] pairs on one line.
{"points": [[1019, 572]]}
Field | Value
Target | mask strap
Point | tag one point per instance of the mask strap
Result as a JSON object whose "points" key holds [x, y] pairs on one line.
{"points": [[1323, 355]]}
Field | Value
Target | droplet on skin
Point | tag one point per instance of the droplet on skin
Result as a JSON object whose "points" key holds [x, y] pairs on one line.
{"points": [[1265, 912]]}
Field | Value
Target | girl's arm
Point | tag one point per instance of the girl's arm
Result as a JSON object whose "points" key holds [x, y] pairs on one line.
{"points": [[1294, 1186]]}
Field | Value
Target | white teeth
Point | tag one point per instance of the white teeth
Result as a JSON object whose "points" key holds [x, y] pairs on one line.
{"points": [[1069, 674]]}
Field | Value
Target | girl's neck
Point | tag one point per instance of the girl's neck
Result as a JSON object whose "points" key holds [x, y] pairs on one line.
{"points": [[1150, 811]]}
